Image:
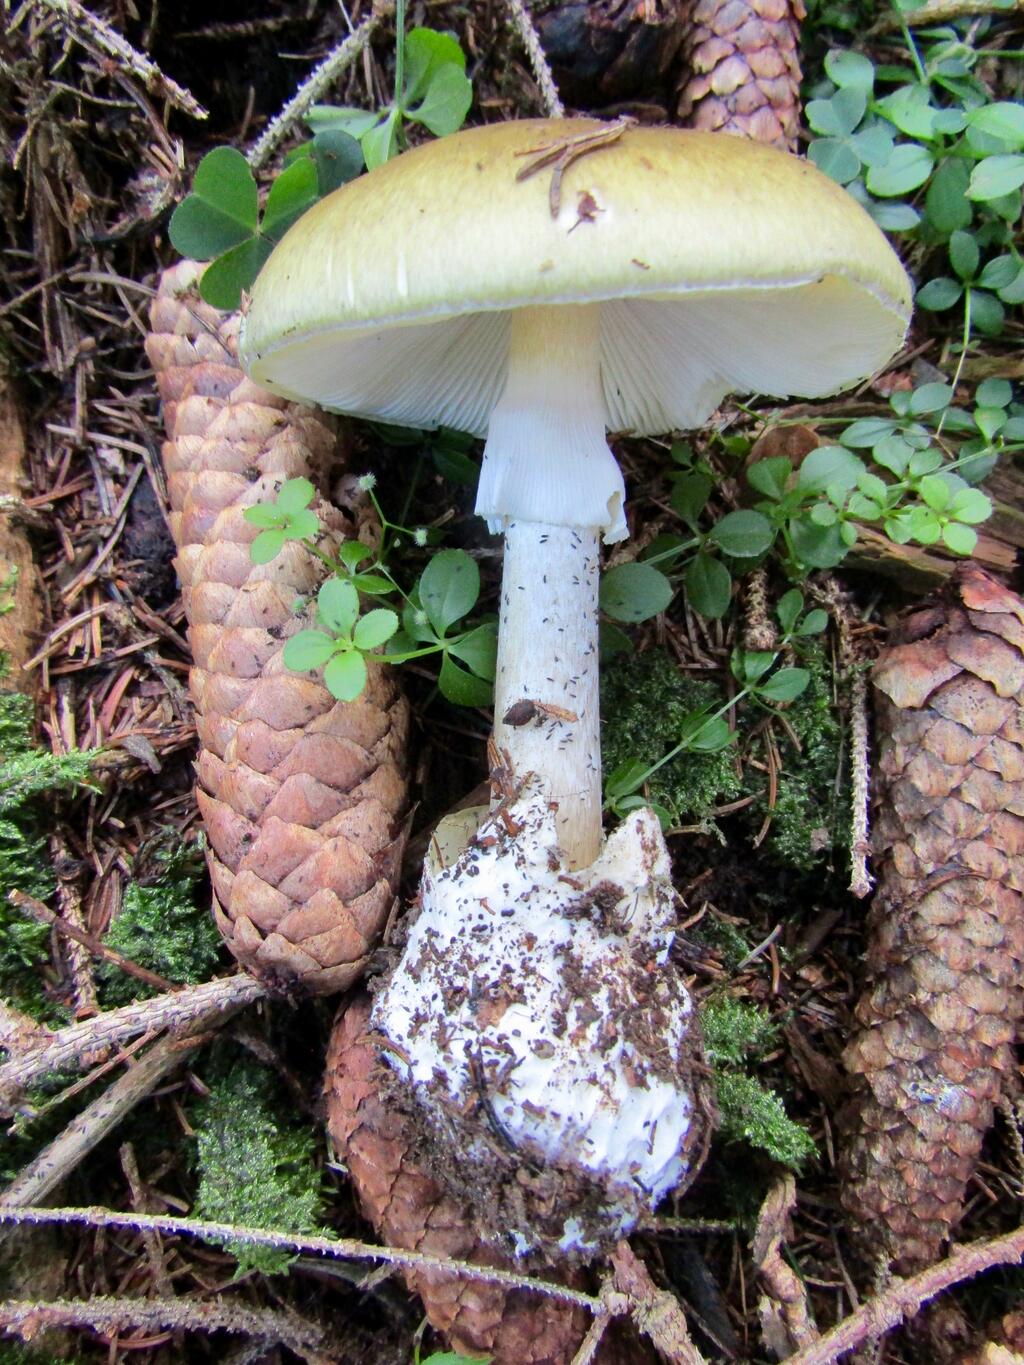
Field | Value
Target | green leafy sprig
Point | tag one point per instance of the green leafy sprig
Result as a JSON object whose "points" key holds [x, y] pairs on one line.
{"points": [[431, 89], [935, 156], [289, 517]]}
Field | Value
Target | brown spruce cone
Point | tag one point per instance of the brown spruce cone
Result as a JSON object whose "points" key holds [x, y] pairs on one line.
{"points": [[743, 61], [409, 1210], [946, 929], [303, 796]]}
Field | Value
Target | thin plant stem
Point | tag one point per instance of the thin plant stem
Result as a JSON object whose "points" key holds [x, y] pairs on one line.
{"points": [[399, 51]]}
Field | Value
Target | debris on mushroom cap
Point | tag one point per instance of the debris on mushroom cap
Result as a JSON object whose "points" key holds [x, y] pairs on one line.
{"points": [[535, 1015]]}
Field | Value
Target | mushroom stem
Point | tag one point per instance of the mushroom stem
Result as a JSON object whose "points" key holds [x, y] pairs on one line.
{"points": [[550, 482], [548, 657]]}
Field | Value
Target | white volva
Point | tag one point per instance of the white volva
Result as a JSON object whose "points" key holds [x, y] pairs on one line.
{"points": [[542, 996]]}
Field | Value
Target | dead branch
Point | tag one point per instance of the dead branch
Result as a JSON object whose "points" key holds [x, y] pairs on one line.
{"points": [[316, 83], [67, 926], [72, 1046], [523, 25], [92, 32], [87, 1129], [341, 1248], [656, 1312], [28, 1317], [904, 1298], [785, 1319]]}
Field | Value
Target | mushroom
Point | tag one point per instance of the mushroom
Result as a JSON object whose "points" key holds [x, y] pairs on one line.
{"points": [[542, 282]]}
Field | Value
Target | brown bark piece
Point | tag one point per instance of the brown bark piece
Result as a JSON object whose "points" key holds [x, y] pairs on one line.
{"points": [[744, 69], [20, 617], [946, 930], [410, 1210], [303, 796]]}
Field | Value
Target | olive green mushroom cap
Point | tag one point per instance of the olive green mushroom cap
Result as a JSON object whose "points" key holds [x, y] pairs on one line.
{"points": [[721, 265]]}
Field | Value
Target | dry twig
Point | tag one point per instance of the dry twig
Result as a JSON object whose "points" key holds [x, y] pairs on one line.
{"points": [[316, 83], [86, 1130], [904, 1298], [93, 32], [341, 1248], [80, 939], [785, 1320], [656, 1312], [523, 24], [27, 1317], [74, 1045]]}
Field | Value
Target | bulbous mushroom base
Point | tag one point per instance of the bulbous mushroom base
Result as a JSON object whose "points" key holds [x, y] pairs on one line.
{"points": [[545, 1048]]}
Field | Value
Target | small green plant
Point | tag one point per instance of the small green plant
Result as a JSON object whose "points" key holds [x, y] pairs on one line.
{"points": [[445, 593], [220, 220], [922, 489], [937, 136], [431, 89], [255, 1167], [339, 650], [288, 517], [706, 729], [450, 1358], [736, 1036]]}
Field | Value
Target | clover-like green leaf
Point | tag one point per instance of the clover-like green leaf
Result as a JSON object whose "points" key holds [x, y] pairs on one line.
{"points": [[338, 158], [828, 467], [909, 166], [225, 278], [708, 586], [293, 192], [478, 649], [789, 607], [996, 176], [770, 476], [939, 293], [958, 538], [294, 495], [266, 546], [461, 687], [221, 212], [444, 107], [380, 144], [785, 685], [744, 534], [427, 53], [970, 505], [302, 525], [266, 515]]}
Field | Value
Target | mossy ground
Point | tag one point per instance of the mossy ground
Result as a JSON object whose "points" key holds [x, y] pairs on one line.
{"points": [[255, 1163], [645, 701], [28, 775], [163, 925]]}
